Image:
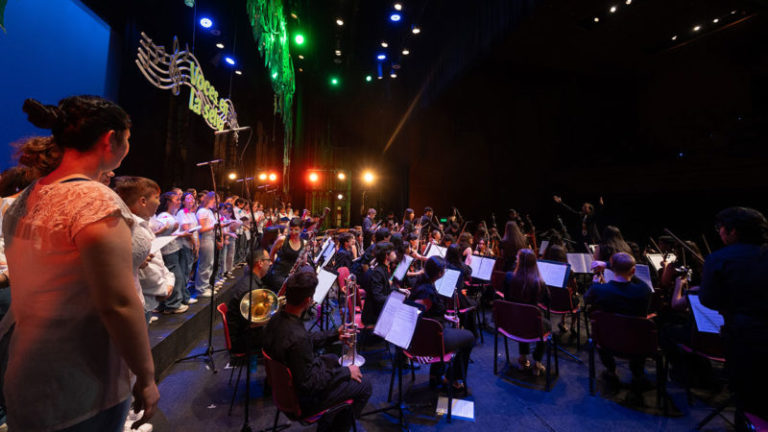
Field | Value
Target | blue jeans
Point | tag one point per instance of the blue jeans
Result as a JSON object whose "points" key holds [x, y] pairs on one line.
{"points": [[205, 261], [186, 262], [173, 263], [109, 420]]}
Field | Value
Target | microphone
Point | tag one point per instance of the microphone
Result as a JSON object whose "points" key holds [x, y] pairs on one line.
{"points": [[237, 129], [210, 162]]}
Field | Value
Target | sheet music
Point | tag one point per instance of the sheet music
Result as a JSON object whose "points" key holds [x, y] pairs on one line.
{"points": [[707, 320], [160, 242], [554, 274], [325, 280], [580, 262], [446, 284], [657, 258], [543, 247], [397, 321], [191, 230], [482, 267], [643, 272], [323, 249], [608, 275], [435, 250], [402, 268], [328, 252], [459, 408]]}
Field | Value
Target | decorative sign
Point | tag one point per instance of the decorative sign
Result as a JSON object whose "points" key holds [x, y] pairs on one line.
{"points": [[171, 71]]}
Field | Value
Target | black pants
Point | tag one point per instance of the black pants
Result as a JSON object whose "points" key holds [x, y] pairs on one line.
{"points": [[636, 364], [461, 342], [359, 392], [538, 352], [746, 349]]}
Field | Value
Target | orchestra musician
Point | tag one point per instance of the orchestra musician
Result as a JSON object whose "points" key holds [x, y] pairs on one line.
{"points": [[343, 257], [461, 341], [319, 379], [513, 241], [284, 254], [368, 227], [376, 282], [239, 328], [588, 233], [428, 222], [408, 224]]}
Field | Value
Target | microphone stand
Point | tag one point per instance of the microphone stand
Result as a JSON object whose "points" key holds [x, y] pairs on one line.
{"points": [[209, 351]]}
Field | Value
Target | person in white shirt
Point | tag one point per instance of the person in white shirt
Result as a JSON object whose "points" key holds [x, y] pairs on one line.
{"points": [[207, 221], [190, 246], [164, 224]]}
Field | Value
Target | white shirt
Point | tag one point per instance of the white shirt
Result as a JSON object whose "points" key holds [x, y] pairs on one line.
{"points": [[163, 224], [154, 278], [187, 218]]}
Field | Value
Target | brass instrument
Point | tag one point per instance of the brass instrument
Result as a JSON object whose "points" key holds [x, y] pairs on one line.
{"points": [[259, 305], [349, 351]]}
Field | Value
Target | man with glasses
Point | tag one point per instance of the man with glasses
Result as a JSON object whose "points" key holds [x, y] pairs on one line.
{"points": [[239, 327]]}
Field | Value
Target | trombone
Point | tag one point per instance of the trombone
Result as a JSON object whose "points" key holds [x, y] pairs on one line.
{"points": [[349, 351]]}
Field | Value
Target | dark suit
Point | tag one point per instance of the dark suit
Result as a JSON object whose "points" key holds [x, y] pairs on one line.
{"points": [[377, 289]]}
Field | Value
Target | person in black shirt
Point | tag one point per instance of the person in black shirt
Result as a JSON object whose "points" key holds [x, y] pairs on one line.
{"points": [[426, 298], [626, 295], [284, 253], [239, 328], [319, 380], [735, 283], [427, 221], [408, 224], [376, 283], [368, 229], [343, 256]]}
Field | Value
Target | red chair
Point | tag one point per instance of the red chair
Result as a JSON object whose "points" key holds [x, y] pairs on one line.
{"points": [[561, 303], [427, 347], [755, 423], [627, 337], [236, 360], [286, 401], [521, 323]]}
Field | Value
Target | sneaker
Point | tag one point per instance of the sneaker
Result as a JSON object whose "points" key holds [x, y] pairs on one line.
{"points": [[181, 309], [538, 368], [153, 319], [219, 283], [229, 275], [205, 293], [192, 300]]}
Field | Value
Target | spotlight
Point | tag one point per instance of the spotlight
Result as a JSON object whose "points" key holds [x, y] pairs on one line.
{"points": [[398, 6], [294, 16], [301, 57], [628, 2], [597, 19], [272, 177], [338, 53], [274, 75], [340, 197], [230, 61], [263, 176], [406, 52], [232, 176], [206, 22], [674, 38], [334, 81], [342, 176], [697, 28], [384, 44], [380, 77], [239, 72], [381, 56], [299, 38], [339, 22], [368, 177], [733, 12], [416, 30], [716, 20], [393, 75], [220, 45], [368, 78], [313, 177], [613, 9], [395, 17]]}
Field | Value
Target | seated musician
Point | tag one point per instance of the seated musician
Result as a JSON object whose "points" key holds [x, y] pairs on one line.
{"points": [[363, 264], [626, 295], [426, 298], [239, 328], [343, 257], [376, 283], [453, 261], [319, 379], [525, 285]]}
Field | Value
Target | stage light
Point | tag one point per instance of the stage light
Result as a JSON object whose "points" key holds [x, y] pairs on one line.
{"points": [[313, 177], [189, 3], [381, 56], [338, 53], [274, 75], [334, 81], [342, 176], [340, 197], [613, 9], [716, 20], [301, 69], [301, 57], [229, 60], [232, 176], [393, 75], [368, 78], [380, 77], [220, 45], [368, 177], [239, 72], [294, 16], [733, 12], [628, 2], [395, 17], [339, 22], [206, 22], [272, 177], [299, 38], [384, 44], [406, 52], [697, 28], [398, 6], [597, 19], [415, 30], [674, 38], [263, 176]]}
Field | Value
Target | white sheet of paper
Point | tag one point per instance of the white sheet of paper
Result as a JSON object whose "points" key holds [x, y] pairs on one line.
{"points": [[580, 262], [608, 275], [402, 268], [435, 250], [657, 258], [191, 230], [322, 250], [328, 252], [482, 267], [387, 315], [543, 247], [707, 320], [404, 325], [325, 280], [460, 408], [446, 284], [643, 272], [160, 242], [554, 274]]}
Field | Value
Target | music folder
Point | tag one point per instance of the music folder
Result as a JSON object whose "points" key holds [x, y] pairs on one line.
{"points": [[397, 321], [402, 269], [435, 250], [325, 280], [707, 320], [482, 267], [543, 247], [555, 274], [326, 244], [642, 272], [446, 284], [580, 262]]}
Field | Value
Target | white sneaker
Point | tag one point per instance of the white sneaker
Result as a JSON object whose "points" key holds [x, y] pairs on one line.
{"points": [[181, 309], [153, 319], [205, 293], [192, 300]]}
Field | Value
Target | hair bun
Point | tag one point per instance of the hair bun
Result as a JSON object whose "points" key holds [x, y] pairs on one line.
{"points": [[43, 116]]}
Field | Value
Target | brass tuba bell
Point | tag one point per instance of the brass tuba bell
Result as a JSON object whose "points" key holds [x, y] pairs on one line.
{"points": [[260, 303]]}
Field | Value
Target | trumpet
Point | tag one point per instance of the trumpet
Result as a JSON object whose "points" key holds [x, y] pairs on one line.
{"points": [[349, 352]]}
